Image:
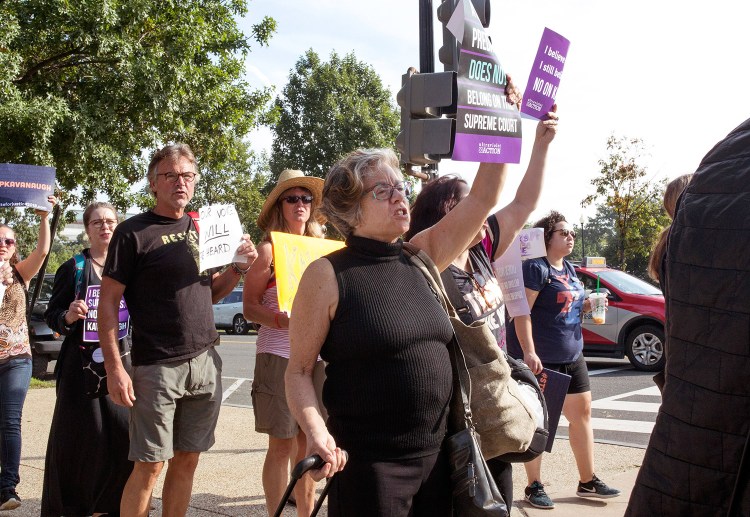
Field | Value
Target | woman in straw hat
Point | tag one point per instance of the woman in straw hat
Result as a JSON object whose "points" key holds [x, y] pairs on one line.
{"points": [[289, 208]]}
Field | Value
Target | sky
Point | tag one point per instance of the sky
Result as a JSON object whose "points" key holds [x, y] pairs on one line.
{"points": [[674, 74]]}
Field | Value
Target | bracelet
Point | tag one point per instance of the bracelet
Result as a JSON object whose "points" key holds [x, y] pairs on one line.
{"points": [[238, 271], [276, 320]]}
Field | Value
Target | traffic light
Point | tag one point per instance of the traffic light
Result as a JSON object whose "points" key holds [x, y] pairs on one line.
{"points": [[448, 53], [426, 136]]}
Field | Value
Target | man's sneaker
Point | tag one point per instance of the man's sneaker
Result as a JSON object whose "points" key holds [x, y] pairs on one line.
{"points": [[537, 497], [596, 488], [9, 500]]}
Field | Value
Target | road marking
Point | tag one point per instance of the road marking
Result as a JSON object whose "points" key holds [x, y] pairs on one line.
{"points": [[616, 403], [232, 388], [621, 405], [610, 370], [612, 424]]}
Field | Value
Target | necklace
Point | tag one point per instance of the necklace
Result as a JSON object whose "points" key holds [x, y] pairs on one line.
{"points": [[97, 263]]}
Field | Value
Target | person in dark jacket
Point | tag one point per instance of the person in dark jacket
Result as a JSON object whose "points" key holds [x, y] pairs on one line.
{"points": [[697, 461], [86, 465]]}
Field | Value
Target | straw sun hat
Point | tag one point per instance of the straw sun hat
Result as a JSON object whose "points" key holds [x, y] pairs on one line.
{"points": [[290, 178]]}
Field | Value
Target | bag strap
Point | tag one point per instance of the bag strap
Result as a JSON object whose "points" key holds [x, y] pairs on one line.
{"points": [[461, 389], [195, 216], [430, 271], [80, 260]]}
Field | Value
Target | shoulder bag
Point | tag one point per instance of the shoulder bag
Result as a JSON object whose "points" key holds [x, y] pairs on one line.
{"points": [[501, 416]]}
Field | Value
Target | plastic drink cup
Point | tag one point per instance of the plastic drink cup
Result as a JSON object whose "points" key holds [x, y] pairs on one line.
{"points": [[598, 308]]}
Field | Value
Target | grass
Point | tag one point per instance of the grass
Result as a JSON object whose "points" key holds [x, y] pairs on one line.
{"points": [[38, 383]]}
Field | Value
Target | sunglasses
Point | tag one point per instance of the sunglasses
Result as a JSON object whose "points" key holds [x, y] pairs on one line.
{"points": [[293, 200], [8, 242], [565, 232]]}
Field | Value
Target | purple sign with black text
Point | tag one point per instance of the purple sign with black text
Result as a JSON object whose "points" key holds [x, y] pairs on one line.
{"points": [[90, 326], [488, 128], [544, 79]]}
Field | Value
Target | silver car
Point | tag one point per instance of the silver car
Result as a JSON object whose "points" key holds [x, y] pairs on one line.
{"points": [[228, 314]]}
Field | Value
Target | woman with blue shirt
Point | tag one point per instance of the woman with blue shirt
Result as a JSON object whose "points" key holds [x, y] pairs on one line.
{"points": [[551, 337]]}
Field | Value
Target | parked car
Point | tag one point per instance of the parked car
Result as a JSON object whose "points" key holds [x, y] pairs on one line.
{"points": [[45, 343], [228, 314], [634, 325]]}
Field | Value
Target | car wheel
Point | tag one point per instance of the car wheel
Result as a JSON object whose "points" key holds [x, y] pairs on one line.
{"points": [[645, 348], [239, 325], [39, 364]]}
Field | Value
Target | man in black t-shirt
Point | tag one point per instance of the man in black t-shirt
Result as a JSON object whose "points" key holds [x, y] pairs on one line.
{"points": [[174, 393]]}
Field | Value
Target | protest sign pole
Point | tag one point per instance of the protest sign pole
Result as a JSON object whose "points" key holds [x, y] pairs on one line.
{"points": [[40, 275]]}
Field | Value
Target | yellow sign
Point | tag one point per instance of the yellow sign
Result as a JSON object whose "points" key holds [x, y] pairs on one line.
{"points": [[291, 256]]}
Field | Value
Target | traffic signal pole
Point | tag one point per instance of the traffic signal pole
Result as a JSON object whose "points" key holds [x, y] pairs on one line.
{"points": [[426, 65], [426, 45]]}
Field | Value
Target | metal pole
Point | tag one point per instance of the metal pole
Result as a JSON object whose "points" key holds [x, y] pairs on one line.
{"points": [[583, 244], [426, 46], [426, 62]]}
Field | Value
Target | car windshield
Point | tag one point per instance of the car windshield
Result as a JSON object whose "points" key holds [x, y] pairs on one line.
{"points": [[628, 283]]}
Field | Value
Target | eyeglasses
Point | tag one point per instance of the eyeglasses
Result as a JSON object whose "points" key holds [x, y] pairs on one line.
{"points": [[565, 232], [7, 241], [384, 191], [293, 200], [99, 223], [171, 177]]}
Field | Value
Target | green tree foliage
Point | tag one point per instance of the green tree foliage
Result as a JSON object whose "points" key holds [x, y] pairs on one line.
{"points": [[327, 110], [93, 86], [629, 215]]}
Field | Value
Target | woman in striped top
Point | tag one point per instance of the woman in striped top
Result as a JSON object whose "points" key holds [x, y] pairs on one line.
{"points": [[288, 208]]}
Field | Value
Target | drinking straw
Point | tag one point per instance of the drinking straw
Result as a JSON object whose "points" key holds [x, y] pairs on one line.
{"points": [[597, 284]]}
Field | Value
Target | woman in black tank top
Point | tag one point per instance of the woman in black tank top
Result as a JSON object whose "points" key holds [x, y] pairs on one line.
{"points": [[371, 315]]}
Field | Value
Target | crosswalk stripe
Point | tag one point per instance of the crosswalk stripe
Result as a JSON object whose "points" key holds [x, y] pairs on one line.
{"points": [[613, 424], [231, 389], [621, 405]]}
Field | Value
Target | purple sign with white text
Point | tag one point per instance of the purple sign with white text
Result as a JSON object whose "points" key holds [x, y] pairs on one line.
{"points": [[90, 326], [488, 128], [544, 79]]}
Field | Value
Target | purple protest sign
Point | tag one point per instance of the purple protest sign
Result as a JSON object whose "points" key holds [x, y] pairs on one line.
{"points": [[544, 79], [90, 326], [488, 128]]}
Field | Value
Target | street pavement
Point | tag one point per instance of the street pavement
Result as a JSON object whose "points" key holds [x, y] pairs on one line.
{"points": [[228, 480]]}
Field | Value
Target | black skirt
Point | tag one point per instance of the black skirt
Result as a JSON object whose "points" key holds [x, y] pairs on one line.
{"points": [[86, 466]]}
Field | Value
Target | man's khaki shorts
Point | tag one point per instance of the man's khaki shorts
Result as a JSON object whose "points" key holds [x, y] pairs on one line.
{"points": [[176, 407], [272, 415]]}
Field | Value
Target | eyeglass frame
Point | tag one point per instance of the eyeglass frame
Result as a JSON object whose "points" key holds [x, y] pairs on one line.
{"points": [[403, 187], [99, 223], [187, 177], [8, 241]]}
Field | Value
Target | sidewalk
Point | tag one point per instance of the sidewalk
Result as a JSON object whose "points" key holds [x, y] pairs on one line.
{"points": [[228, 480]]}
